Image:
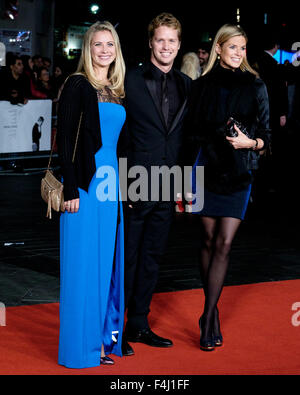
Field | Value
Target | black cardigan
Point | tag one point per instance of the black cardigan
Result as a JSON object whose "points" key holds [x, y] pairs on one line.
{"points": [[215, 97], [78, 96]]}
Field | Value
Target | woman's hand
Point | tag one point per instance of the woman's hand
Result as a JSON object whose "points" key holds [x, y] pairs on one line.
{"points": [[241, 140], [72, 206]]}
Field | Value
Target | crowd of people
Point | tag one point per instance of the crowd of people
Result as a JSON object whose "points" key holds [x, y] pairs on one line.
{"points": [[27, 78]]}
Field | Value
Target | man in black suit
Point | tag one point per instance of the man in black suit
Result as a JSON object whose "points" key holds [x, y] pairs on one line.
{"points": [[156, 104], [271, 73]]}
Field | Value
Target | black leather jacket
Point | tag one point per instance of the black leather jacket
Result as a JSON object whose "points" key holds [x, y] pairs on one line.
{"points": [[215, 97]]}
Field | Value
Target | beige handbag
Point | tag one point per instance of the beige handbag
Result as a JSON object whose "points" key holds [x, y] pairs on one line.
{"points": [[51, 188]]}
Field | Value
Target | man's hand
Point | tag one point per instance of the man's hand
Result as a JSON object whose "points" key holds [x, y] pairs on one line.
{"points": [[283, 121]]}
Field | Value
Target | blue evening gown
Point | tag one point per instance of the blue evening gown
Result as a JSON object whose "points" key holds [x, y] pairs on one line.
{"points": [[92, 259]]}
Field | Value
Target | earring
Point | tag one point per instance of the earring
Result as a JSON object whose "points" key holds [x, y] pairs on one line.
{"points": [[218, 57]]}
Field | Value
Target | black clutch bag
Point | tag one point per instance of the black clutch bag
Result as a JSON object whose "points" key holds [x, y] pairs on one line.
{"points": [[250, 157], [230, 130]]}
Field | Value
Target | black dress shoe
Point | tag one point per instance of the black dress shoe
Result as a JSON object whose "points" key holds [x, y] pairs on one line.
{"points": [[127, 350], [148, 337]]}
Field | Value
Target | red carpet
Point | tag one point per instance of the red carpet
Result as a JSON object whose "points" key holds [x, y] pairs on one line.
{"points": [[257, 326]]}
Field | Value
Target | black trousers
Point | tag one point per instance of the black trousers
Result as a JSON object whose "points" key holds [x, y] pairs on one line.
{"points": [[147, 226]]}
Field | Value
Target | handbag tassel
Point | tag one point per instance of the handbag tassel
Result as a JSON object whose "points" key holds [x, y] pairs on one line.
{"points": [[49, 207]]}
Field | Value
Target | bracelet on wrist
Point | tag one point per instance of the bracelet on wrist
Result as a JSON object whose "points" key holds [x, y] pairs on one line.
{"points": [[255, 146]]}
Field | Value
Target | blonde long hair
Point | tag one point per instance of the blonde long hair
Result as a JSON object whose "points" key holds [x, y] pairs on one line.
{"points": [[224, 34], [190, 65], [116, 72]]}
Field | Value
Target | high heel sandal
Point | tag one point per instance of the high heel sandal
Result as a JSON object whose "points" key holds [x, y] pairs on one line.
{"points": [[206, 344], [106, 361], [218, 340]]}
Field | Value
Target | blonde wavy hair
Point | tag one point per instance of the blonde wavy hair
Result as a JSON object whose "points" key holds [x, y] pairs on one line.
{"points": [[116, 72], [190, 65], [225, 33]]}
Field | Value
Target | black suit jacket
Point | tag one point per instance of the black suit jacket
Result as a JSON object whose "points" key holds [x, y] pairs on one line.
{"points": [[149, 142]]}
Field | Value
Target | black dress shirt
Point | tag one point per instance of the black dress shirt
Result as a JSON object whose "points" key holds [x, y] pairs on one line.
{"points": [[174, 97]]}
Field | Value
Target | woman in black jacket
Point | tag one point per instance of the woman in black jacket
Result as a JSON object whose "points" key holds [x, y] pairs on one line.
{"points": [[229, 88]]}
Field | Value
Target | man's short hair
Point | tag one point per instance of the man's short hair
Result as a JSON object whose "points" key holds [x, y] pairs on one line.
{"points": [[205, 45], [11, 61], [46, 59], [270, 43], [164, 19], [270, 38]]}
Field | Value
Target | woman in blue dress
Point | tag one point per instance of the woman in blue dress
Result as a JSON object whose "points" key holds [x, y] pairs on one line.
{"points": [[229, 151], [90, 118]]}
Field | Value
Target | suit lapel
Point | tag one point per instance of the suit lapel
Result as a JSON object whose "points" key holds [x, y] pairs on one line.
{"points": [[178, 116], [152, 90], [183, 93]]}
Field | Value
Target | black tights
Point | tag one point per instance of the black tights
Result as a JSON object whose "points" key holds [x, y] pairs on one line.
{"points": [[218, 234]]}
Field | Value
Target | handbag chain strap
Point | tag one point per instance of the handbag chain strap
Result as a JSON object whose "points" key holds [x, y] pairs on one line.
{"points": [[75, 147]]}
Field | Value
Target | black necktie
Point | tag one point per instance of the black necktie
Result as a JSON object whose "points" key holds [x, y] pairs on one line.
{"points": [[164, 97]]}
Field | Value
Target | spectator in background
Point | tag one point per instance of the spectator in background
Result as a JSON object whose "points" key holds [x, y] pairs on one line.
{"points": [[37, 62], [191, 65], [289, 76], [47, 63], [28, 65], [203, 54], [43, 84], [296, 106], [57, 79], [293, 127], [32, 75], [271, 73], [15, 85]]}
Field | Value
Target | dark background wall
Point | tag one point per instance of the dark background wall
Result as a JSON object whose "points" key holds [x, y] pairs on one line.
{"points": [[199, 20]]}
